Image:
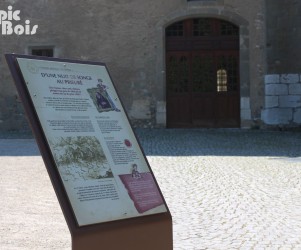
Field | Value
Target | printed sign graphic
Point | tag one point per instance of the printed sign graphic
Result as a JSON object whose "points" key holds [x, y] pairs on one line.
{"points": [[99, 161]]}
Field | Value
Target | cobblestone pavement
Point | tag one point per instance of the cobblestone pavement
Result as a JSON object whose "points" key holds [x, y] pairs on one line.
{"points": [[226, 189]]}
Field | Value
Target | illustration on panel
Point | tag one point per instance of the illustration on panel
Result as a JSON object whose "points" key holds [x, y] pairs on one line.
{"points": [[80, 158], [101, 98]]}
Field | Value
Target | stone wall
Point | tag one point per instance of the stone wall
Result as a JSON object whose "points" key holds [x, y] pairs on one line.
{"points": [[129, 37], [283, 36], [283, 50], [282, 100]]}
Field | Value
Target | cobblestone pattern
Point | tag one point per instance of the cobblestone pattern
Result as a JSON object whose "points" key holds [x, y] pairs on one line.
{"points": [[226, 189], [229, 190], [241, 203]]}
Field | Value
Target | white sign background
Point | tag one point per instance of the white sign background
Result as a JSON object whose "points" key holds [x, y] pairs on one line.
{"points": [[77, 106]]}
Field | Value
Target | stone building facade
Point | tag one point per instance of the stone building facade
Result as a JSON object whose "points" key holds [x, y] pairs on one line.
{"points": [[282, 80], [131, 38]]}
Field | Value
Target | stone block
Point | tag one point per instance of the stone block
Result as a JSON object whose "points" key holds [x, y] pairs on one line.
{"points": [[290, 101], [277, 116], [268, 79], [161, 106], [245, 102], [297, 116], [271, 101], [294, 89], [161, 118], [276, 89], [245, 114], [161, 113], [245, 109], [289, 78]]}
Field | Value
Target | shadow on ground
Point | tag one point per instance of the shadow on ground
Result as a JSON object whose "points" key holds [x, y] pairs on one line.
{"points": [[189, 142], [18, 147], [219, 142]]}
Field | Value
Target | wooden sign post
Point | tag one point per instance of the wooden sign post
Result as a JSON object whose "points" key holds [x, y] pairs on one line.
{"points": [[104, 184]]}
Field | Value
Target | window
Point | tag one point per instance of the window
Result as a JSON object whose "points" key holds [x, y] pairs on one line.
{"points": [[202, 27], [42, 51], [221, 80], [228, 29], [176, 29]]}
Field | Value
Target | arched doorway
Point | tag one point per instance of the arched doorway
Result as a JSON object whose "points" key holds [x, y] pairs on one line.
{"points": [[202, 73]]}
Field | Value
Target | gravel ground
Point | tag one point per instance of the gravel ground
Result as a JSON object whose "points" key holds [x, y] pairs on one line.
{"points": [[226, 189]]}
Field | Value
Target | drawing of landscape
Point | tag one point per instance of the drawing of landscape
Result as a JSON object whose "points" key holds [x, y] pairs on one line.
{"points": [[80, 158]]}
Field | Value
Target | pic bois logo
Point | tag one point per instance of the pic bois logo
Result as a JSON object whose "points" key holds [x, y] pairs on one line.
{"points": [[10, 22]]}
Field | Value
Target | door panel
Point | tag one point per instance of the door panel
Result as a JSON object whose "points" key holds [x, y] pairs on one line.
{"points": [[202, 74], [179, 109], [203, 114], [178, 94]]}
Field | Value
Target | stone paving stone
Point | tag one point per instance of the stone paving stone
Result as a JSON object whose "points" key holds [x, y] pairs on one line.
{"points": [[226, 189], [246, 200]]}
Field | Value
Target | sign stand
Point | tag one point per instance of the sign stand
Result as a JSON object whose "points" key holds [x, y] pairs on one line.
{"points": [[154, 233], [103, 182]]}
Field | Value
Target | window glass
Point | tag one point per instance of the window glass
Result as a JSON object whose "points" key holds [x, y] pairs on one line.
{"points": [[221, 80], [176, 29]]}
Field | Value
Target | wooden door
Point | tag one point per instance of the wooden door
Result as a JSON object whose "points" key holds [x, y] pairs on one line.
{"points": [[202, 76]]}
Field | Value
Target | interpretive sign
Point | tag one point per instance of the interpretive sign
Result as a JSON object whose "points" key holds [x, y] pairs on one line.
{"points": [[100, 163], [103, 182]]}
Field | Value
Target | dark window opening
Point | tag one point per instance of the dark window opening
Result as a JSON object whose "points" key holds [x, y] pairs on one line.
{"points": [[176, 29], [42, 52], [202, 27], [228, 29]]}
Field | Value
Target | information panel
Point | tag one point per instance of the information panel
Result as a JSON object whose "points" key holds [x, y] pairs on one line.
{"points": [[100, 163]]}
